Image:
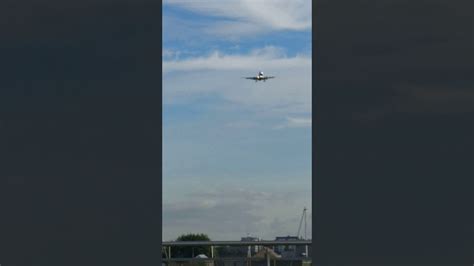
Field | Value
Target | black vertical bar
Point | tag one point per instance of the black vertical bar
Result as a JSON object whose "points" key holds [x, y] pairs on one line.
{"points": [[393, 153], [80, 132]]}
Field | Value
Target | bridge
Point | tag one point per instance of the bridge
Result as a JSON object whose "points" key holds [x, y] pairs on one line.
{"points": [[267, 252], [237, 243]]}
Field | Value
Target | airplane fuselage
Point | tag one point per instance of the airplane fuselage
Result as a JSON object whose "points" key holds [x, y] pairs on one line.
{"points": [[260, 77]]}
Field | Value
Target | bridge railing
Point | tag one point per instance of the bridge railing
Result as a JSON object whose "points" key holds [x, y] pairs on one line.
{"points": [[167, 245], [237, 243]]}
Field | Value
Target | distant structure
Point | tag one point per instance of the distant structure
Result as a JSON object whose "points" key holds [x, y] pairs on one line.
{"points": [[303, 216], [286, 251], [242, 253], [255, 248]]}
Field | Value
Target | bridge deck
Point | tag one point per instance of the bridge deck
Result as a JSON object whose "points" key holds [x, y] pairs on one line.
{"points": [[237, 243]]}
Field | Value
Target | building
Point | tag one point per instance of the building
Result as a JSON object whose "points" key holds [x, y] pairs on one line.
{"points": [[291, 251], [239, 251], [286, 251], [254, 249]]}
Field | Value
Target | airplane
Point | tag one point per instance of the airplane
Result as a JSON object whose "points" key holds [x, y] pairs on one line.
{"points": [[260, 76]]}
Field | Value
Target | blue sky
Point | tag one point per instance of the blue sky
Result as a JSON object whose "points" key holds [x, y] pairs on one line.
{"points": [[236, 154]]}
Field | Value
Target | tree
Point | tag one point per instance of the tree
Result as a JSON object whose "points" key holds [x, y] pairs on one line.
{"points": [[192, 251]]}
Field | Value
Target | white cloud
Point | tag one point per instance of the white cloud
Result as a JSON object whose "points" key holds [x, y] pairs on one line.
{"points": [[242, 17], [299, 121], [170, 53], [269, 57], [295, 122], [225, 213], [222, 75], [242, 124]]}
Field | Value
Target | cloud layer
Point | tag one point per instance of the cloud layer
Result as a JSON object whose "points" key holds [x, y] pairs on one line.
{"points": [[250, 17], [222, 75], [231, 211]]}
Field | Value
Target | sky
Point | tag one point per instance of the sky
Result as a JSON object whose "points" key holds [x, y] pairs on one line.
{"points": [[236, 154]]}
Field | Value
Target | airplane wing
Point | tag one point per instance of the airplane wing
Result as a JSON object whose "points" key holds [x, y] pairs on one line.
{"points": [[254, 78], [269, 77]]}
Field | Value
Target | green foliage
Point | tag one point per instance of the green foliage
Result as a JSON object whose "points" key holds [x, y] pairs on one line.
{"points": [[191, 251], [193, 237]]}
